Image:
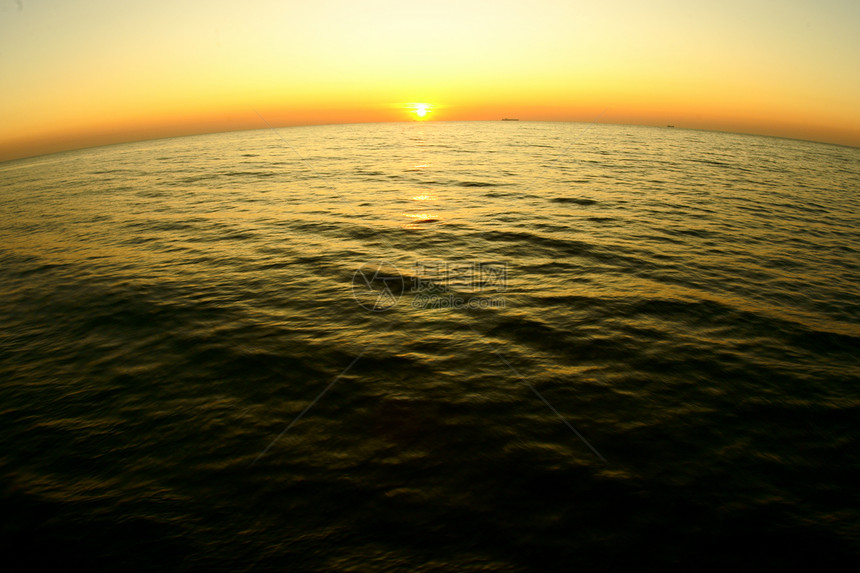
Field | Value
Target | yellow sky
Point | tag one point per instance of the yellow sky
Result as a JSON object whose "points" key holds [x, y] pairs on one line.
{"points": [[79, 73]]}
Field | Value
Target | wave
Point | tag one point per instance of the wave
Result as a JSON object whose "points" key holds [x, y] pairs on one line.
{"points": [[184, 352], [574, 200]]}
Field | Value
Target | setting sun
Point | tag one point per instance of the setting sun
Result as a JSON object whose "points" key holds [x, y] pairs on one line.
{"points": [[421, 110]]}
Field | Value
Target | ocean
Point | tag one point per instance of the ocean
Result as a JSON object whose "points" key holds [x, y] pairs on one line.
{"points": [[431, 346]]}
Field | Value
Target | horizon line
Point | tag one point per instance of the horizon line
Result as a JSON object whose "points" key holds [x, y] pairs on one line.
{"points": [[425, 121]]}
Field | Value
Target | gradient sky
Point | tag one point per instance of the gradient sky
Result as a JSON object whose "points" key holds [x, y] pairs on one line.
{"points": [[76, 73]]}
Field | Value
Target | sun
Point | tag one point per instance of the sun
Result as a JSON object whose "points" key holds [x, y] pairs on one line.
{"points": [[421, 110]]}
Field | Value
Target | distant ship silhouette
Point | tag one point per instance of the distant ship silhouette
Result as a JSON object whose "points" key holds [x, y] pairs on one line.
{"points": [[509, 119]]}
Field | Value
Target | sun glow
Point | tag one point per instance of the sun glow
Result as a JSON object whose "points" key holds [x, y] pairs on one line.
{"points": [[421, 110]]}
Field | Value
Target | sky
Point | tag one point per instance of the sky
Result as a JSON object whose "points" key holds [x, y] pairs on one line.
{"points": [[78, 73]]}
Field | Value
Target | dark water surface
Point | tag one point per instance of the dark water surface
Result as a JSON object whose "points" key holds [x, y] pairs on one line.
{"points": [[612, 348]]}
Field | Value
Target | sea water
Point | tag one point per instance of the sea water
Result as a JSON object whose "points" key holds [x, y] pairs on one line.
{"points": [[490, 346]]}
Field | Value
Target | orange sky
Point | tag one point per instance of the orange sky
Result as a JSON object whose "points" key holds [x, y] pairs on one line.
{"points": [[88, 72]]}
